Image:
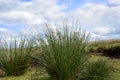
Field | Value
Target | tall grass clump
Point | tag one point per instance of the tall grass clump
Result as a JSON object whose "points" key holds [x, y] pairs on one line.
{"points": [[14, 58], [98, 70], [63, 52]]}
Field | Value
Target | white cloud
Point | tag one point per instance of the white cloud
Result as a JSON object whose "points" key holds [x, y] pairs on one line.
{"points": [[101, 20], [6, 34], [102, 30], [3, 30], [30, 14], [114, 2]]}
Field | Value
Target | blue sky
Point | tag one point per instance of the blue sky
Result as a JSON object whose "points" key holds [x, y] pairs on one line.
{"points": [[12, 27], [99, 17], [74, 4], [27, 0]]}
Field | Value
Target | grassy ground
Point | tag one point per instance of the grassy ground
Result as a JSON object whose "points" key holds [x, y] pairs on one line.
{"points": [[113, 62], [26, 76]]}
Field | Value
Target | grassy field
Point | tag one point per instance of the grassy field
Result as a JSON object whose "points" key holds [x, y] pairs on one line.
{"points": [[115, 63], [27, 76]]}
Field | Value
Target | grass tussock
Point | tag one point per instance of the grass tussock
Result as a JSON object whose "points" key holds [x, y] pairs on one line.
{"points": [[97, 70], [63, 53], [14, 58]]}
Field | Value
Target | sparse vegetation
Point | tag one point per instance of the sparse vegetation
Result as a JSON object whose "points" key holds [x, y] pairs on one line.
{"points": [[105, 44], [110, 48]]}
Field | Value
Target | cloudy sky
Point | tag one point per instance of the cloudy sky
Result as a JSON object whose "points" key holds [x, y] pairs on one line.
{"points": [[99, 17]]}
